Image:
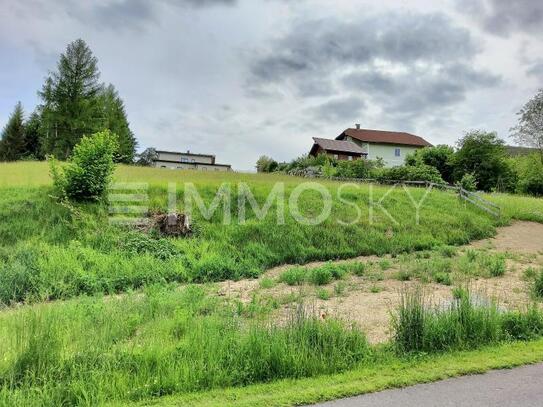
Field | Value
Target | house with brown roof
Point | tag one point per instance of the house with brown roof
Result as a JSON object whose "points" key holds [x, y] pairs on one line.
{"points": [[391, 146], [338, 149]]}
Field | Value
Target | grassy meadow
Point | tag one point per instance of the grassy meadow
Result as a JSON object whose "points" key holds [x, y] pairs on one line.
{"points": [[123, 330], [53, 251]]}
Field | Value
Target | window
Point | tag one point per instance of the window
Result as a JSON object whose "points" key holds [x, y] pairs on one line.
{"points": [[184, 160], [397, 152], [350, 157], [336, 156]]}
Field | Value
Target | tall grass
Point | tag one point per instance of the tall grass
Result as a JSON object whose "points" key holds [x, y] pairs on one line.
{"points": [[88, 352], [466, 322]]}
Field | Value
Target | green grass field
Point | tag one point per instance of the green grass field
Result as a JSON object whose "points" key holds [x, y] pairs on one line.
{"points": [[52, 251], [156, 339]]}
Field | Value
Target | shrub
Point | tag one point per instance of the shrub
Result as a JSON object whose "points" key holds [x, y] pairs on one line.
{"points": [[89, 171], [293, 276], [439, 157], [442, 278], [530, 171], [321, 275], [468, 182], [496, 265], [523, 325], [323, 294], [420, 172], [267, 283], [358, 268]]}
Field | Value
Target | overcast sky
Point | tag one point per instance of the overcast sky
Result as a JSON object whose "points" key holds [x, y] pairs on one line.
{"points": [[249, 77]]}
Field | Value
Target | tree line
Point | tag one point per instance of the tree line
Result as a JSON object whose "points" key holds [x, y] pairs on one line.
{"points": [[73, 103], [480, 160]]}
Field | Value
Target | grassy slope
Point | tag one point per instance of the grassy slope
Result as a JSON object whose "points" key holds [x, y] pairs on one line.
{"points": [[52, 251], [57, 251]]}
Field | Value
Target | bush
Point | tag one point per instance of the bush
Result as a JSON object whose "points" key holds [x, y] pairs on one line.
{"points": [[87, 175], [468, 182], [321, 275], [530, 172], [483, 155], [409, 173], [266, 164], [496, 265], [439, 157], [523, 325], [293, 276]]}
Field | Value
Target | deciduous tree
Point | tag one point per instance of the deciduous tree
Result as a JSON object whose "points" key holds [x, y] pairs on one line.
{"points": [[529, 130]]}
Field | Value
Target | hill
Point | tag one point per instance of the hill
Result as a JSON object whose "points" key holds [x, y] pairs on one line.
{"points": [[52, 250]]}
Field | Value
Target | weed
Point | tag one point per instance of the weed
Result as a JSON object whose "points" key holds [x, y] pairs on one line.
{"points": [[267, 282], [358, 268], [340, 287], [537, 285], [293, 276], [495, 265], [462, 324], [442, 278], [447, 251], [323, 293], [321, 275], [529, 274], [385, 264], [404, 275]]}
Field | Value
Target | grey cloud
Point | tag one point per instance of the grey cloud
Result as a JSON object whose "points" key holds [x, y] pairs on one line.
{"points": [[405, 38], [536, 70], [118, 14], [341, 109], [404, 64], [504, 17], [417, 91]]}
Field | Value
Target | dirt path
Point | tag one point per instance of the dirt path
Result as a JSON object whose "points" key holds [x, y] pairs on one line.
{"points": [[524, 237], [369, 303]]}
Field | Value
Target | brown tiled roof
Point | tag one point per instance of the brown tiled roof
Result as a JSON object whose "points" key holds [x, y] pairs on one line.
{"points": [[340, 146], [388, 137]]}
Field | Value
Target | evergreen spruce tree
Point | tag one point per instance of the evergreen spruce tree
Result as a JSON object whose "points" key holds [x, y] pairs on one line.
{"points": [[116, 121], [12, 144], [70, 96], [33, 137]]}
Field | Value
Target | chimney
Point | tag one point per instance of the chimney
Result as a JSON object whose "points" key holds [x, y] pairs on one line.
{"points": [[357, 125]]}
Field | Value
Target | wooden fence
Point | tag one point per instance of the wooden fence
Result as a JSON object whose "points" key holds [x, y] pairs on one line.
{"points": [[468, 196]]}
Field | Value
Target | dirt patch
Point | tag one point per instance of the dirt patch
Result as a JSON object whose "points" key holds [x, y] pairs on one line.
{"points": [[524, 237], [369, 303]]}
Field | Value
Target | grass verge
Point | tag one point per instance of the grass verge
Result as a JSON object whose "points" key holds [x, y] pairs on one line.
{"points": [[385, 375]]}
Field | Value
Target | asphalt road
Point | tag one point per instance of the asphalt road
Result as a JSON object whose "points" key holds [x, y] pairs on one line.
{"points": [[519, 387]]}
